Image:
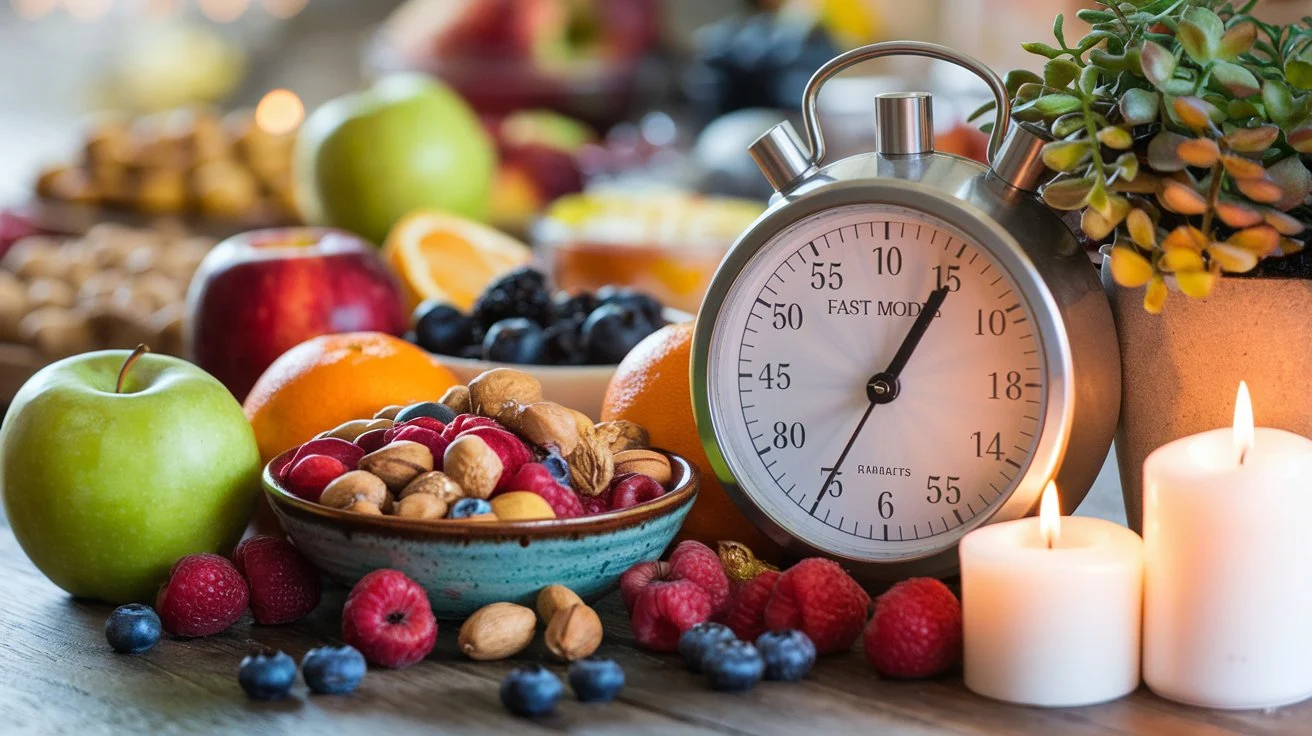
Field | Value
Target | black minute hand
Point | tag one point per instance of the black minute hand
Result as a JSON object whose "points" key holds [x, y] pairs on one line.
{"points": [[883, 387]]}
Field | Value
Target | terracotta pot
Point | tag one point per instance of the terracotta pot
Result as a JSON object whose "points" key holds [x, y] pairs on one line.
{"points": [[1180, 369]]}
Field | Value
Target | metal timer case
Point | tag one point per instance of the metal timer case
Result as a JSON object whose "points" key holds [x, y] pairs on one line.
{"points": [[905, 345]]}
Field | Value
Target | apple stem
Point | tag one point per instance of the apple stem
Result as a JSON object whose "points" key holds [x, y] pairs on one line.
{"points": [[123, 372]]}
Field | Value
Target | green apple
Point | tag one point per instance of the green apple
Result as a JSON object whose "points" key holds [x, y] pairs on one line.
{"points": [[365, 160], [108, 480]]}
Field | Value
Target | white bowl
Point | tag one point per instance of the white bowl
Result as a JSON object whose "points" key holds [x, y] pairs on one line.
{"points": [[581, 387]]}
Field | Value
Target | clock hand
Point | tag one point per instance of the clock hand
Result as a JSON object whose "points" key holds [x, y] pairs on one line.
{"points": [[884, 387]]}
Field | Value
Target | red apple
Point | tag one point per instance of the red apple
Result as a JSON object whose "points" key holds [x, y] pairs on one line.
{"points": [[258, 294]]}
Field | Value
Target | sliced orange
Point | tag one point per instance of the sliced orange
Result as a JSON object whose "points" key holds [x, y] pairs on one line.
{"points": [[441, 256]]}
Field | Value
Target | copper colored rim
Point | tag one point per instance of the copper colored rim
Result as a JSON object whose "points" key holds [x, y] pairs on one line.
{"points": [[687, 480]]}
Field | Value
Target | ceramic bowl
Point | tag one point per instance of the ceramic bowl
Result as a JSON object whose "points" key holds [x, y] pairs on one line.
{"points": [[581, 387], [465, 565]]}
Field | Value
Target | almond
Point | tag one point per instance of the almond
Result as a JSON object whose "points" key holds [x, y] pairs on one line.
{"points": [[555, 598], [647, 462], [497, 631], [574, 633]]}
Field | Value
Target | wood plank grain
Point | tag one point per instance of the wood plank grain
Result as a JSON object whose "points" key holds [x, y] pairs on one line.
{"points": [[57, 675]]}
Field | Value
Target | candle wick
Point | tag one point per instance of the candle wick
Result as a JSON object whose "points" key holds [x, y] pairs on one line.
{"points": [[1049, 541], [1243, 456]]}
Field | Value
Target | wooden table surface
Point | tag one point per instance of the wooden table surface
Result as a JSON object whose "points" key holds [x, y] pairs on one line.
{"points": [[57, 675]]}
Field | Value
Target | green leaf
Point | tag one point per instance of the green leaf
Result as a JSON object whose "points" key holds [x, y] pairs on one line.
{"points": [[1200, 34], [1058, 73], [1054, 105], [1299, 73], [1089, 80], [1127, 166], [1238, 40], [1236, 80], [1100, 199], [1068, 194], [1013, 79], [1158, 64], [1139, 106], [1295, 181], [1067, 124], [1091, 16], [1115, 137], [1057, 29], [1279, 103], [1042, 49], [1066, 156]]}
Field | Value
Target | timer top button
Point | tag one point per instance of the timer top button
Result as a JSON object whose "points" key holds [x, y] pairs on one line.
{"points": [[781, 156], [904, 123]]}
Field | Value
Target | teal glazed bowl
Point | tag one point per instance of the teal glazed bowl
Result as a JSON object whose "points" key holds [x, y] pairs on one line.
{"points": [[465, 565]]}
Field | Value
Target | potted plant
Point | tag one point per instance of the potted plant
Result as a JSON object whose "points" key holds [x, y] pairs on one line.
{"points": [[1181, 131]]}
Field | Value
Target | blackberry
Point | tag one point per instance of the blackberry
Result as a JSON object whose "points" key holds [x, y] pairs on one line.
{"points": [[520, 293], [578, 306]]}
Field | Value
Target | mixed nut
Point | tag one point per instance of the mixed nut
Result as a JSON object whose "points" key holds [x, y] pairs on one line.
{"points": [[573, 629], [495, 444]]}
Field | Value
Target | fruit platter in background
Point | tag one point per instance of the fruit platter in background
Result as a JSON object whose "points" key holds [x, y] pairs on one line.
{"points": [[591, 59], [219, 174]]}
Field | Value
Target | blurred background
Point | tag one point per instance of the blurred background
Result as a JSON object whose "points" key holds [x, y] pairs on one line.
{"points": [[610, 135]]}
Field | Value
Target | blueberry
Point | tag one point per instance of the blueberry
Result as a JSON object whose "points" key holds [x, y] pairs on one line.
{"points": [[440, 412], [697, 642], [574, 306], [132, 629], [788, 654], [472, 352], [531, 691], [267, 675], [596, 680], [733, 666], [611, 332], [644, 303], [333, 670], [558, 467], [520, 293], [514, 340], [564, 342], [467, 507], [441, 328]]}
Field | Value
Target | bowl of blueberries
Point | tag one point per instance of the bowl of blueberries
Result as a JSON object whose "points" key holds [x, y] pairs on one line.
{"points": [[570, 342]]}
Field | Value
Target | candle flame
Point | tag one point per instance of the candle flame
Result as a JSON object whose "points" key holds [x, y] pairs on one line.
{"points": [[279, 112], [1049, 515], [1243, 423]]}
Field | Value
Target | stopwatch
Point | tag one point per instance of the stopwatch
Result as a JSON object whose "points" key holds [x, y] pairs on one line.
{"points": [[906, 345]]}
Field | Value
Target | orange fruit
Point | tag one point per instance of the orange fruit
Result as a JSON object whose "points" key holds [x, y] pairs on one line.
{"points": [[652, 387], [331, 379], [448, 258]]}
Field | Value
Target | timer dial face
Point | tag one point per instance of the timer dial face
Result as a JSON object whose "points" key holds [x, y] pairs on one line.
{"points": [[819, 312]]}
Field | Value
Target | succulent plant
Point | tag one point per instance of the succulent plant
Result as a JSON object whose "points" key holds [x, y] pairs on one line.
{"points": [[1181, 129]]}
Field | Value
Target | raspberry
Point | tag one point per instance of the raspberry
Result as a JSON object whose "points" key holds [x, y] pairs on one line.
{"points": [[598, 504], [638, 577], [312, 473], [631, 489], [347, 453], [204, 595], [535, 478], [695, 561], [424, 436], [464, 422], [388, 618], [746, 612], [284, 586], [510, 449], [916, 630], [664, 610], [816, 597]]}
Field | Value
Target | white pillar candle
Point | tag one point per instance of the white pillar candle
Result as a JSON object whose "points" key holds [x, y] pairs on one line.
{"points": [[1051, 611], [1227, 526]]}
